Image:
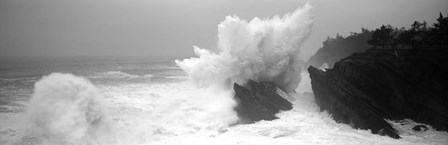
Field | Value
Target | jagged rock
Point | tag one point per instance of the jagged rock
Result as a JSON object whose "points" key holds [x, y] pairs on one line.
{"points": [[260, 101], [366, 88], [420, 128]]}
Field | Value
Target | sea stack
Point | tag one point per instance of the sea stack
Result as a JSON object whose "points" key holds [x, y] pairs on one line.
{"points": [[260, 101]]}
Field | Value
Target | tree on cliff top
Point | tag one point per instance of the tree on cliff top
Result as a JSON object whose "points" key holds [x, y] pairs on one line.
{"points": [[418, 36], [439, 34], [383, 37]]}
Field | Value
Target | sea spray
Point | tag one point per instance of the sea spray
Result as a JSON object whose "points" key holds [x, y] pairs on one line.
{"points": [[66, 109], [260, 50]]}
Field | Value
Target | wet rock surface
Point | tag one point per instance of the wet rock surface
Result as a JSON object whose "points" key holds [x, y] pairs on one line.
{"points": [[260, 101], [365, 88], [420, 128]]}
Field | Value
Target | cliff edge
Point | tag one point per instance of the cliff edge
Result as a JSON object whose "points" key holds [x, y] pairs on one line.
{"points": [[365, 88]]}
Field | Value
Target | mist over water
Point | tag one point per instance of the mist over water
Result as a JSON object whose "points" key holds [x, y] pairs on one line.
{"points": [[190, 102]]}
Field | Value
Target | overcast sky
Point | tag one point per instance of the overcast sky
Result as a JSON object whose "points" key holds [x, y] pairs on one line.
{"points": [[172, 27]]}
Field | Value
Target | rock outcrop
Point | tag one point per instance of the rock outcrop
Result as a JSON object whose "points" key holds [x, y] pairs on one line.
{"points": [[365, 88], [260, 101]]}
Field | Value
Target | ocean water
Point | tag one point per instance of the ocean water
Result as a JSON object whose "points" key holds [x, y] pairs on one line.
{"points": [[154, 102], [179, 102]]}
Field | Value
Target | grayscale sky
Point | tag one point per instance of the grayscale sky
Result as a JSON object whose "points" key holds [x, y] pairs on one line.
{"points": [[43, 28]]}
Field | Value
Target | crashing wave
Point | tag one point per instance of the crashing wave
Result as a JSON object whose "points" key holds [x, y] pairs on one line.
{"points": [[66, 109]]}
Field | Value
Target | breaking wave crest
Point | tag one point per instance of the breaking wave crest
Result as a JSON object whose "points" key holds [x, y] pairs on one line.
{"points": [[66, 109]]}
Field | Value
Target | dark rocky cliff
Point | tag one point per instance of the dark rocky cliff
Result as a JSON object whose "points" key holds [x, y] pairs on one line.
{"points": [[365, 88], [260, 101]]}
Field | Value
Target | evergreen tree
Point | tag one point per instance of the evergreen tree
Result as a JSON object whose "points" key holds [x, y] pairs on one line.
{"points": [[438, 36], [383, 37], [418, 36]]}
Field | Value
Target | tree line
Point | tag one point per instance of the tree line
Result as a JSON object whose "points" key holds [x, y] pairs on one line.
{"points": [[418, 36]]}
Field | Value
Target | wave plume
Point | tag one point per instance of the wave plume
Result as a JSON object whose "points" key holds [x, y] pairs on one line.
{"points": [[66, 109], [261, 49]]}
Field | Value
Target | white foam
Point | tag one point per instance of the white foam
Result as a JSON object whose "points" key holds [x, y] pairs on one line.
{"points": [[114, 74], [172, 113], [178, 120], [260, 50], [119, 75], [180, 113], [65, 109]]}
